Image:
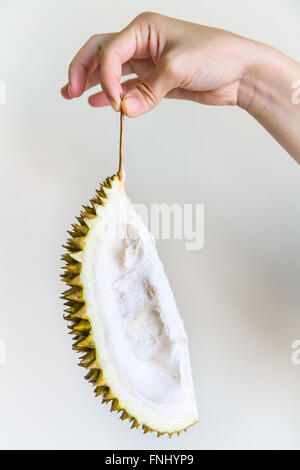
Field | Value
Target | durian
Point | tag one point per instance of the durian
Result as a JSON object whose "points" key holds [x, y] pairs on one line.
{"points": [[123, 315]]}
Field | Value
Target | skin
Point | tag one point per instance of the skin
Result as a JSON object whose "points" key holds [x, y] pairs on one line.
{"points": [[177, 59]]}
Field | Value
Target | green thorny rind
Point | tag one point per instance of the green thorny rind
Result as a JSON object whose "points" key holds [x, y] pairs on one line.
{"points": [[77, 314]]}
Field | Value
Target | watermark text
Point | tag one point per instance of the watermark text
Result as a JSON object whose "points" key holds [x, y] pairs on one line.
{"points": [[295, 357]]}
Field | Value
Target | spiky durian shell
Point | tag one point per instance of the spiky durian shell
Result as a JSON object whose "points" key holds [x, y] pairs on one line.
{"points": [[77, 314]]}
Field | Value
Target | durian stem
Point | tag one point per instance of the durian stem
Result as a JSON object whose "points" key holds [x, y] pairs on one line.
{"points": [[121, 153]]}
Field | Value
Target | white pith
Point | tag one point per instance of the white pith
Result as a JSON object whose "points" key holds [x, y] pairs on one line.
{"points": [[140, 339]]}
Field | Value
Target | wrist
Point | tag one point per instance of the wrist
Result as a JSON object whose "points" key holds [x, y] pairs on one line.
{"points": [[270, 91], [267, 83]]}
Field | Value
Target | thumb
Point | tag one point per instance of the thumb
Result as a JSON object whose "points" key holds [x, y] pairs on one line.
{"points": [[142, 95]]}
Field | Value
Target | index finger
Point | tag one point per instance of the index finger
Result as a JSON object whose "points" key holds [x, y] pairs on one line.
{"points": [[85, 62], [111, 58], [140, 39]]}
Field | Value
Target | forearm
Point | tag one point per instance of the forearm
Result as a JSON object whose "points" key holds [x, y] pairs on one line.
{"points": [[270, 92]]}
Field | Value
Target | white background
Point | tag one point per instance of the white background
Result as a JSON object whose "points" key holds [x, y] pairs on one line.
{"points": [[239, 296]]}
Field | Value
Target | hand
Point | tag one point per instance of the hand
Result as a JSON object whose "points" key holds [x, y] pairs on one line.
{"points": [[176, 59], [171, 58]]}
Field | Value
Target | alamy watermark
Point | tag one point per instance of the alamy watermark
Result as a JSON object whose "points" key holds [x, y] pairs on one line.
{"points": [[2, 352], [177, 221], [2, 92], [295, 357], [296, 94], [164, 221]]}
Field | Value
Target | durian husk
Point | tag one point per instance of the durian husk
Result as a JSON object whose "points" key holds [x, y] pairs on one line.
{"points": [[77, 314]]}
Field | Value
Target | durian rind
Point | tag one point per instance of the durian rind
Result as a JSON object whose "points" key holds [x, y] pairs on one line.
{"points": [[77, 313]]}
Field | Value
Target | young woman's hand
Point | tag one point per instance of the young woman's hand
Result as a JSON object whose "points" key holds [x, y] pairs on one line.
{"points": [[177, 59], [171, 58]]}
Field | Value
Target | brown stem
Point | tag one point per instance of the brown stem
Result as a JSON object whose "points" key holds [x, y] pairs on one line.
{"points": [[121, 153]]}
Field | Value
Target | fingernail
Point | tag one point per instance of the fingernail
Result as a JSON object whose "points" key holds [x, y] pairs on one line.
{"points": [[130, 105], [69, 89], [115, 104]]}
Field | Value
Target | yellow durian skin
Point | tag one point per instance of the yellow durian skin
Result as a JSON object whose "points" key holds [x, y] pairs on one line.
{"points": [[77, 314]]}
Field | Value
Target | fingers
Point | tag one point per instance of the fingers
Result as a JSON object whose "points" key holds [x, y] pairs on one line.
{"points": [[84, 63], [110, 54], [100, 99], [85, 70], [65, 92], [142, 39], [119, 51], [141, 96], [81, 65], [93, 79], [212, 98], [203, 97]]}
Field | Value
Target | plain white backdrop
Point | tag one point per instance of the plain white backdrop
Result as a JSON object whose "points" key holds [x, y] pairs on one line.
{"points": [[239, 296]]}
